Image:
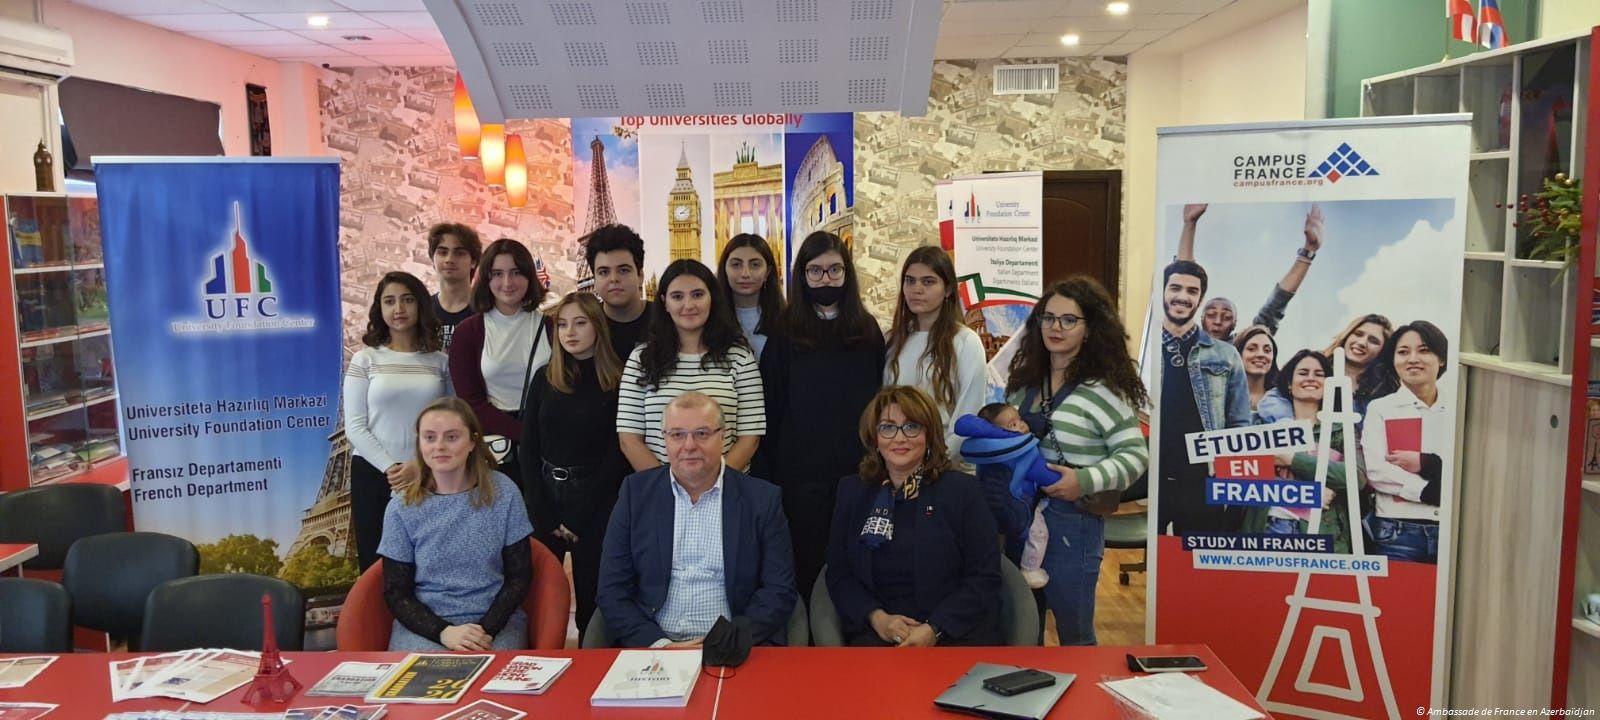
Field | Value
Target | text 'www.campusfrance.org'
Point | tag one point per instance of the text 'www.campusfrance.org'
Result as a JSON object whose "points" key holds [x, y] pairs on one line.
{"points": [[1372, 565]]}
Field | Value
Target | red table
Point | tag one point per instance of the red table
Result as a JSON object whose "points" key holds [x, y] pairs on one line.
{"points": [[831, 683], [13, 555]]}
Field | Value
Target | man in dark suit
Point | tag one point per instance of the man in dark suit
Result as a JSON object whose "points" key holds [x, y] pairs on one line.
{"points": [[694, 541]]}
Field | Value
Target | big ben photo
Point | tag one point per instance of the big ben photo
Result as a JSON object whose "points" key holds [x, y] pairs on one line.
{"points": [[683, 212]]}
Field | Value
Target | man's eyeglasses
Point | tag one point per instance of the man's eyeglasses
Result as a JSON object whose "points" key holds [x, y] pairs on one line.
{"points": [[888, 430], [699, 434], [815, 272], [1065, 322]]}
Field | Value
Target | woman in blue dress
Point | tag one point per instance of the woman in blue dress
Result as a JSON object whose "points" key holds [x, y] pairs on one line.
{"points": [[456, 559]]}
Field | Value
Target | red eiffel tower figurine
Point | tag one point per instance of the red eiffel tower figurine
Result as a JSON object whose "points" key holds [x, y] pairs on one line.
{"points": [[273, 681]]}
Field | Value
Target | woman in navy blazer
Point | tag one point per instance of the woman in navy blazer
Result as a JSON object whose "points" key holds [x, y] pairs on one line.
{"points": [[912, 558]]}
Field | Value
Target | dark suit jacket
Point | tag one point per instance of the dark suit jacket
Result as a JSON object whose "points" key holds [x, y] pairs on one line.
{"points": [[957, 567], [636, 565]]}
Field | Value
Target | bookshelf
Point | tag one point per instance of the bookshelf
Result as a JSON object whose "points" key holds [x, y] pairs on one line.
{"points": [[1527, 529], [58, 390]]}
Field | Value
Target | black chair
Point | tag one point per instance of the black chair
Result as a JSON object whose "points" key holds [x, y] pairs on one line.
{"points": [[797, 632], [221, 611], [110, 576], [1130, 531], [54, 517], [35, 617]]}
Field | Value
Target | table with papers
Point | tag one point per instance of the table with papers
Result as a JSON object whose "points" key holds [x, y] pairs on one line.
{"points": [[835, 683]]}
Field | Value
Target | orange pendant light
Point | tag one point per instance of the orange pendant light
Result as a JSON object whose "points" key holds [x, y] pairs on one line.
{"points": [[516, 172], [466, 121], [492, 151]]}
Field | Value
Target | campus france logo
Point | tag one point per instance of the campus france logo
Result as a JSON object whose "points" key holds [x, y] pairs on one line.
{"points": [[237, 293], [1343, 162]]}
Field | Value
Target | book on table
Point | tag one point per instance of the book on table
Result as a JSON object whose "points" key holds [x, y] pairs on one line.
{"points": [[649, 678], [350, 679], [527, 675], [429, 678]]}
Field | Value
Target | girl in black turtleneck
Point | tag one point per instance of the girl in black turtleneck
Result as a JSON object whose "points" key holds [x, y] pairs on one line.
{"points": [[570, 456]]}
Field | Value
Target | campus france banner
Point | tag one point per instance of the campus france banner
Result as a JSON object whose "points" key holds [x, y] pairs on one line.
{"points": [[993, 227], [223, 278], [1302, 356], [689, 183]]}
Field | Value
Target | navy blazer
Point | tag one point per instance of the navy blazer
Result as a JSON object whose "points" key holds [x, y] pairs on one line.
{"points": [[957, 566], [636, 560]]}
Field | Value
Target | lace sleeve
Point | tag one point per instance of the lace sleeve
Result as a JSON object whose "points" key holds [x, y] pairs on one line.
{"points": [[400, 592], [517, 558]]}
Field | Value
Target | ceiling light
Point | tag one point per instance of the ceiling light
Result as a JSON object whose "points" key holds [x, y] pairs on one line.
{"points": [[492, 152], [1069, 39], [317, 21], [1117, 8], [355, 38]]}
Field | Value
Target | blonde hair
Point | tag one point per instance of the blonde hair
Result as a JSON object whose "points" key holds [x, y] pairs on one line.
{"points": [[479, 464], [1344, 335], [563, 373], [918, 408]]}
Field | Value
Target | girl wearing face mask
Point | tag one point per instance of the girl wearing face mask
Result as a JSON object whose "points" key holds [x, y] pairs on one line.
{"points": [[929, 347], [697, 346], [457, 563], [569, 443], [1073, 379], [1405, 440], [749, 277], [387, 384], [494, 353], [819, 372], [1302, 381], [1258, 352]]}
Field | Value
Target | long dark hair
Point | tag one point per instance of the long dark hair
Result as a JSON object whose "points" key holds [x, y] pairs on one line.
{"points": [[1379, 378], [659, 355], [800, 323], [1285, 381], [941, 349], [1243, 338], [1104, 355], [428, 327], [769, 298], [483, 297]]}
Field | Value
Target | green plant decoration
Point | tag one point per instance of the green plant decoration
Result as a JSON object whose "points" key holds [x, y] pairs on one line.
{"points": [[1552, 217]]}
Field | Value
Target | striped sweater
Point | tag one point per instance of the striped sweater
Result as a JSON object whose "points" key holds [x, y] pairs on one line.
{"points": [[1098, 433], [736, 388]]}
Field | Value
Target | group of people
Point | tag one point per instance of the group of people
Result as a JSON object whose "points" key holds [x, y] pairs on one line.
{"points": [[630, 433], [1215, 376]]}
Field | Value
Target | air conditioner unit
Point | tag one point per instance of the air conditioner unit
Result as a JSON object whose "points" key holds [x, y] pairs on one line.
{"points": [[34, 49]]}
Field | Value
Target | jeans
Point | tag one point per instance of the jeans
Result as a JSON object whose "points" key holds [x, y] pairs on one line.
{"points": [[1409, 540], [1077, 547], [1283, 526]]}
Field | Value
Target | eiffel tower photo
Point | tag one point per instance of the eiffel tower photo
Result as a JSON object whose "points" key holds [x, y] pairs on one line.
{"points": [[601, 211]]}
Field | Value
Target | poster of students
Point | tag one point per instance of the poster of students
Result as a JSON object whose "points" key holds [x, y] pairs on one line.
{"points": [[1302, 361]]}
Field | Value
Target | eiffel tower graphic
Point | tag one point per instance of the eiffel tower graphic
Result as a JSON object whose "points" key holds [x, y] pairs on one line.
{"points": [[601, 211], [1335, 386]]}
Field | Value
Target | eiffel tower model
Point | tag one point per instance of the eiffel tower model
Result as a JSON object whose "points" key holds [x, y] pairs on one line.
{"points": [[273, 681], [601, 211]]}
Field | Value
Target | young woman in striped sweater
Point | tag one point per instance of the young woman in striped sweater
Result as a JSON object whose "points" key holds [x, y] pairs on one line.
{"points": [[694, 345], [1073, 369]]}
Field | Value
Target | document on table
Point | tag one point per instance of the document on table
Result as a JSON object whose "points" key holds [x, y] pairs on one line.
{"points": [[24, 711], [350, 679], [18, 671], [1178, 696]]}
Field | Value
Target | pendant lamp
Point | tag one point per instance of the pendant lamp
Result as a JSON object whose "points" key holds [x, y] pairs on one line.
{"points": [[492, 151], [466, 121], [516, 173]]}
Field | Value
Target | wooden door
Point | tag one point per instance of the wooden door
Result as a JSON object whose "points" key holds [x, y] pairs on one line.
{"points": [[1083, 226]]}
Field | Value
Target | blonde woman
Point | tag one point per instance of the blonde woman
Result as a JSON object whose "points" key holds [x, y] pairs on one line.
{"points": [[456, 559]]}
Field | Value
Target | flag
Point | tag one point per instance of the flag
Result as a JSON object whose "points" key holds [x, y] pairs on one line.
{"points": [[1463, 26], [540, 272], [1491, 25]]}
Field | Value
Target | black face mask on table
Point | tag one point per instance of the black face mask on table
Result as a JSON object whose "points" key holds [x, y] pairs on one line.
{"points": [[727, 645]]}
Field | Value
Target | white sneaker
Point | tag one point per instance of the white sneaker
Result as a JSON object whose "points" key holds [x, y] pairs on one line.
{"points": [[1036, 578]]}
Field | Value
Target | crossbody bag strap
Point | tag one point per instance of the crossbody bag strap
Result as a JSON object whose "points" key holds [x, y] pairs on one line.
{"points": [[527, 371]]}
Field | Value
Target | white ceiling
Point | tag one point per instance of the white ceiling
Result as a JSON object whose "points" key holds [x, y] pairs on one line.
{"points": [[404, 34]]}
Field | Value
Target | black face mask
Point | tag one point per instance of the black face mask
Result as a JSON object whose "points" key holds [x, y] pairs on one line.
{"points": [[727, 644], [827, 295]]}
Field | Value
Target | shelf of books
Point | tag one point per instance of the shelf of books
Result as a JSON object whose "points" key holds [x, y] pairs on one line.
{"points": [[58, 387]]}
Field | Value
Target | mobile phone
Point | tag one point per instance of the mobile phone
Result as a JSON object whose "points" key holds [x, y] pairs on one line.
{"points": [[1020, 681], [1166, 663]]}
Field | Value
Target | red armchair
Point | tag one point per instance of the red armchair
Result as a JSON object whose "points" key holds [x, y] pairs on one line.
{"points": [[365, 621]]}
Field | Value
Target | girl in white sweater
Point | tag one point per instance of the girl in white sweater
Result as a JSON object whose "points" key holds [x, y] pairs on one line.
{"points": [[928, 345], [388, 383]]}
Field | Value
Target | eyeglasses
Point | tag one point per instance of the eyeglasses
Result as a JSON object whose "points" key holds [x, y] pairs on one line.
{"points": [[499, 444], [815, 272], [888, 430], [1065, 322], [699, 434]]}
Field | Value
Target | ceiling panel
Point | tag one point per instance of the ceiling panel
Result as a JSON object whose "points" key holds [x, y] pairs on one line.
{"points": [[404, 20], [375, 35], [278, 6], [149, 7], [254, 38], [297, 21], [365, 6], [296, 51], [193, 22]]}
